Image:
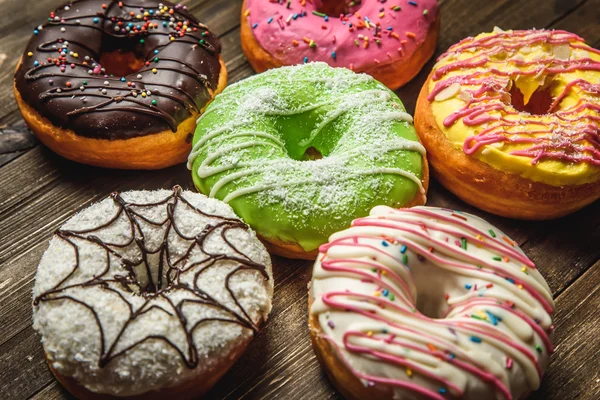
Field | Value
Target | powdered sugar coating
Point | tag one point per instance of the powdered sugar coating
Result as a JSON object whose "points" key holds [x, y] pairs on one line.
{"points": [[70, 333]]}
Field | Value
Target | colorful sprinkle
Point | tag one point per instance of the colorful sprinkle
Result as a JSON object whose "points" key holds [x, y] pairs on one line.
{"points": [[509, 363]]}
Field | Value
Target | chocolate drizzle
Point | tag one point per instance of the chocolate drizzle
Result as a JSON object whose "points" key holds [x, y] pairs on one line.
{"points": [[155, 289], [60, 75]]}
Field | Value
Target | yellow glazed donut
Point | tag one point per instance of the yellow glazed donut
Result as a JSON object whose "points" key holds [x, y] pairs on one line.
{"points": [[510, 120]]}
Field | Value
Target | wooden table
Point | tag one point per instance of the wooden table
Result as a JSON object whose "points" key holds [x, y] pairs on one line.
{"points": [[39, 191]]}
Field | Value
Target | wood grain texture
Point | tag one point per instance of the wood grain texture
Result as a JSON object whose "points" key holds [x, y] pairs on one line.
{"points": [[575, 367], [39, 191]]}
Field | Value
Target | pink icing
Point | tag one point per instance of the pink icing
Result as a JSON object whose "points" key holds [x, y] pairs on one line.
{"points": [[391, 35]]}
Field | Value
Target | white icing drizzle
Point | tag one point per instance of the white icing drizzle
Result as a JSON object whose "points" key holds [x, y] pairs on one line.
{"points": [[434, 303]]}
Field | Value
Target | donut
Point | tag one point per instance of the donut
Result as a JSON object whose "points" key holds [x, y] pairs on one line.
{"points": [[389, 41], [299, 152], [150, 295], [429, 303], [510, 120], [119, 84]]}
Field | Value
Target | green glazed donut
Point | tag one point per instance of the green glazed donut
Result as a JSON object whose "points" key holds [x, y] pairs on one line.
{"points": [[299, 152]]}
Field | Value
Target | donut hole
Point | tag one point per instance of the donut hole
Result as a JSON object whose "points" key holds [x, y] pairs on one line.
{"points": [[334, 7], [432, 303], [120, 63], [312, 154], [539, 103]]}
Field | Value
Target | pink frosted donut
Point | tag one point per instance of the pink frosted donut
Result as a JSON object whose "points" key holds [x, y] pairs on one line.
{"points": [[390, 40]]}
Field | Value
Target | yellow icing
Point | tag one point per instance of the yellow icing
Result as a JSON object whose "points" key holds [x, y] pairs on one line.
{"points": [[552, 172]]}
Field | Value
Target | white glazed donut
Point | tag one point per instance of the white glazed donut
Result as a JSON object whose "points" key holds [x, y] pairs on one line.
{"points": [[429, 303], [150, 294]]}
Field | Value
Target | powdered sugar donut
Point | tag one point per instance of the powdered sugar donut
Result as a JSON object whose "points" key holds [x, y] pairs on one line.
{"points": [[429, 303], [390, 41], [150, 294], [299, 152]]}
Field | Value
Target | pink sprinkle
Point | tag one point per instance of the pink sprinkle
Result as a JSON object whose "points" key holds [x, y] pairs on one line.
{"points": [[509, 363]]}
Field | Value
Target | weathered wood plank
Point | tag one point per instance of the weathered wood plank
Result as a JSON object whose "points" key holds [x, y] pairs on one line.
{"points": [[22, 366], [574, 371], [15, 293], [53, 391]]}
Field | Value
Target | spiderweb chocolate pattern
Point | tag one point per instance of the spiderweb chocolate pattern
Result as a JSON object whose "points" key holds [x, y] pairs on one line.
{"points": [[159, 264]]}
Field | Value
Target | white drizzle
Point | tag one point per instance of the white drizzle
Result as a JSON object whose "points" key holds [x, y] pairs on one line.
{"points": [[240, 151]]}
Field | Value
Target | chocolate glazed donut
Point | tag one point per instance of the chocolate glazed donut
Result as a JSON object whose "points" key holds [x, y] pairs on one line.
{"points": [[119, 83]]}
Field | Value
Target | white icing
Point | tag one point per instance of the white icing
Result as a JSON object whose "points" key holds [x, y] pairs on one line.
{"points": [[429, 295], [70, 335]]}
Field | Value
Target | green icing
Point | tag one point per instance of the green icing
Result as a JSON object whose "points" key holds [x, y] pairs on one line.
{"points": [[254, 148]]}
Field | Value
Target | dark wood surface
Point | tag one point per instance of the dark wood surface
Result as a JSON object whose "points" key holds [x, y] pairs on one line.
{"points": [[39, 191]]}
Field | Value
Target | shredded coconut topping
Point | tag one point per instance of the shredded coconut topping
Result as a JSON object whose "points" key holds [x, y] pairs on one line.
{"points": [[144, 290]]}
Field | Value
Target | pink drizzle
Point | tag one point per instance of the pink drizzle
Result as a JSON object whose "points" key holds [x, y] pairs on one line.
{"points": [[568, 138], [442, 349]]}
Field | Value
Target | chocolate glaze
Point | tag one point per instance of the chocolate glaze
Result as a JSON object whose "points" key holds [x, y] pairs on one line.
{"points": [[167, 279], [185, 68]]}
